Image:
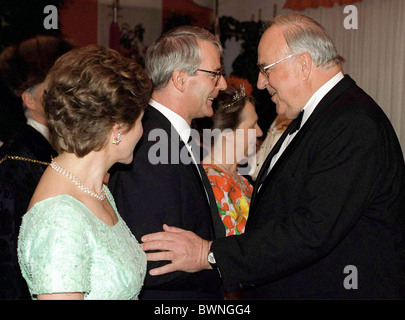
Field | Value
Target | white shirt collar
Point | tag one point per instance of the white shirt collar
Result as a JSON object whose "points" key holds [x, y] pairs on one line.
{"points": [[181, 125], [44, 130], [318, 96]]}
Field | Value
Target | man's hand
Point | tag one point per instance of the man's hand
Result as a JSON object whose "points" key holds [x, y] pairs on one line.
{"points": [[187, 251]]}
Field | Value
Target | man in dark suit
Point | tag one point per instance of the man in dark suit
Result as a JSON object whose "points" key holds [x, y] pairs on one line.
{"points": [[165, 182], [324, 215], [27, 151]]}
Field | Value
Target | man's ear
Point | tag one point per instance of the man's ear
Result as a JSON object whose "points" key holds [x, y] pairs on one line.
{"points": [[179, 80], [28, 100], [305, 61]]}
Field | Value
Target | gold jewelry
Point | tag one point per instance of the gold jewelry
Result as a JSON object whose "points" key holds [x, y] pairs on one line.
{"points": [[22, 159], [99, 196], [239, 95]]}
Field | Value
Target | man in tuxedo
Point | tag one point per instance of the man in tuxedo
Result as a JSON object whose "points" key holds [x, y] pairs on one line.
{"points": [[325, 215], [166, 183]]}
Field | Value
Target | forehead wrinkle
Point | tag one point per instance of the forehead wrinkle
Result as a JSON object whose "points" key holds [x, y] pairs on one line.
{"points": [[272, 44]]}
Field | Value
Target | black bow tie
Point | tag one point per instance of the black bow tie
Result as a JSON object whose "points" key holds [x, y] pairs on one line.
{"points": [[296, 123], [190, 139]]}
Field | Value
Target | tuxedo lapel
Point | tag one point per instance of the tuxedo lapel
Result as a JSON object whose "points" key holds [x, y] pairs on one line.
{"points": [[158, 118], [206, 186], [264, 179], [218, 225], [265, 168], [264, 175]]}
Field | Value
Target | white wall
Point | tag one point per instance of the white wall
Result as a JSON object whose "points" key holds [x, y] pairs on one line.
{"points": [[132, 12]]}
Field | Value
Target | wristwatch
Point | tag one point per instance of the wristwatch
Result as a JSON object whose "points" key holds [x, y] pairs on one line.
{"points": [[211, 259], [213, 262]]}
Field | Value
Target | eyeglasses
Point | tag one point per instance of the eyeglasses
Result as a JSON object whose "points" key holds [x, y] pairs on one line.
{"points": [[263, 70], [218, 74]]}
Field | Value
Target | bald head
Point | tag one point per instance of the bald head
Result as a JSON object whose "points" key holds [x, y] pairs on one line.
{"points": [[296, 57]]}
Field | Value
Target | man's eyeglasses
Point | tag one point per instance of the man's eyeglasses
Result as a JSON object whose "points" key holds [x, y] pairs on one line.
{"points": [[263, 70], [217, 74]]}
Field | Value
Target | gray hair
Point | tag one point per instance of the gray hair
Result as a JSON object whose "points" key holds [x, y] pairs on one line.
{"points": [[304, 34], [176, 50]]}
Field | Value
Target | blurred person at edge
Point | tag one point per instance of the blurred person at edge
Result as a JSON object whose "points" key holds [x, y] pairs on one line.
{"points": [[26, 153]]}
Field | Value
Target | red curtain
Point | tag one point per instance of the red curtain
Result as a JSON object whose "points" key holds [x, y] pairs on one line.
{"points": [[78, 19], [200, 15], [304, 4], [115, 35]]}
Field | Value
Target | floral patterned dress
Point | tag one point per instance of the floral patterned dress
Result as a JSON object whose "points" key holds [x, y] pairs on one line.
{"points": [[233, 199]]}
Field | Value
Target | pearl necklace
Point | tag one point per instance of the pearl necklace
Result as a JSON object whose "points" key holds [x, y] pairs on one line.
{"points": [[99, 196]]}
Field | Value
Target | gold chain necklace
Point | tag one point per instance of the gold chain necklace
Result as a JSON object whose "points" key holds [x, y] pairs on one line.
{"points": [[99, 196], [22, 159]]}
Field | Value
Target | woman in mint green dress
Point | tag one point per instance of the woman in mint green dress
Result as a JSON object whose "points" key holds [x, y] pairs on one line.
{"points": [[73, 243]]}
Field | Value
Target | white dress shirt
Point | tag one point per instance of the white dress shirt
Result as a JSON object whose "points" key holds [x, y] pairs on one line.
{"points": [[36, 125]]}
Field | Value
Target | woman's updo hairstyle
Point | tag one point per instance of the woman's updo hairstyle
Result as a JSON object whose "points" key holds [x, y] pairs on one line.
{"points": [[87, 91]]}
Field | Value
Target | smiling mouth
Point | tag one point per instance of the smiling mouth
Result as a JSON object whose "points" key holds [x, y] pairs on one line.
{"points": [[211, 99], [272, 94]]}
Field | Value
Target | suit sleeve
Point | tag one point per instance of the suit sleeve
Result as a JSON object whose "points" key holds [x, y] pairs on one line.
{"points": [[343, 167]]}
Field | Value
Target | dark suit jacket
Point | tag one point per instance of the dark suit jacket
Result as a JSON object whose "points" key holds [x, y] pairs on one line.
{"points": [[18, 180], [149, 195], [332, 200]]}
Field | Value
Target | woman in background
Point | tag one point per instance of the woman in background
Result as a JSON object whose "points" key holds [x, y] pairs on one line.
{"points": [[234, 115], [231, 127], [73, 244]]}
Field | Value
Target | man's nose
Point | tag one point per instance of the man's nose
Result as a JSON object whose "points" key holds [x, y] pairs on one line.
{"points": [[259, 131], [262, 81], [222, 85]]}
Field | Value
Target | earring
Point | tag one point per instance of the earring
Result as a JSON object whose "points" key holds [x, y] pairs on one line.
{"points": [[117, 140]]}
